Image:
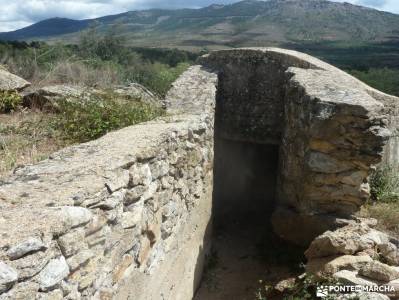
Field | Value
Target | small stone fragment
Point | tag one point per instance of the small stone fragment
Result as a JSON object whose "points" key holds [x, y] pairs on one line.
{"points": [[117, 180], [352, 278], [140, 175], [390, 253], [72, 242], [134, 194], [75, 216], [8, 276], [379, 271], [132, 218], [159, 169], [30, 245], [55, 271], [76, 261]]}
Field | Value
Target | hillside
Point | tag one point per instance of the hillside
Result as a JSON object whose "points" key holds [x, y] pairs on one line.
{"points": [[246, 23]]}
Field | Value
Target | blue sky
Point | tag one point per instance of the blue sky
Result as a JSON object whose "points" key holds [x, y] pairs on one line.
{"points": [[16, 14]]}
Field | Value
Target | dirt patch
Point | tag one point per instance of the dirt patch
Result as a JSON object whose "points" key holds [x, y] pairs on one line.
{"points": [[245, 257]]}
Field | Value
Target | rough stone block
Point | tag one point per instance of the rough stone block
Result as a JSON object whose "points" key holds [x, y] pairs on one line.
{"points": [[8, 276], [30, 245], [55, 271]]}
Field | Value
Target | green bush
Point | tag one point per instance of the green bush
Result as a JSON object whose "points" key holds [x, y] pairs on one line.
{"points": [[9, 101], [82, 121], [384, 184]]}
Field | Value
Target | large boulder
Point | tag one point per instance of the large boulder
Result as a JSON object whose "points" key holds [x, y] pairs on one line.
{"points": [[48, 97], [11, 82]]}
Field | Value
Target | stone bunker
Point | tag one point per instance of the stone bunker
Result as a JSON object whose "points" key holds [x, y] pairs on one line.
{"points": [[265, 133]]}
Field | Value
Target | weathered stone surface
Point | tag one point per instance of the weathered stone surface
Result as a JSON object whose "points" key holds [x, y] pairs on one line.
{"points": [[352, 278], [117, 180], [140, 175], [150, 192], [8, 276], [79, 259], [55, 271], [75, 216], [322, 163], [133, 217], [134, 194], [48, 97], [11, 82], [21, 291], [28, 266], [52, 295], [330, 129], [32, 244], [345, 240], [390, 253], [379, 271], [72, 242], [327, 266], [159, 169]]}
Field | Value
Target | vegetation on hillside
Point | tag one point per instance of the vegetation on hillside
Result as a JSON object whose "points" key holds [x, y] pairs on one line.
{"points": [[97, 60], [27, 136], [244, 23], [384, 79]]}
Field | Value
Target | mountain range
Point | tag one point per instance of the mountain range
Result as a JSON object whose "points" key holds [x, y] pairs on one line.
{"points": [[245, 23]]}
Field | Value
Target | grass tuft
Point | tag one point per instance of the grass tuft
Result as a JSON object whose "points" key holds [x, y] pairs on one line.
{"points": [[82, 121], [384, 184]]}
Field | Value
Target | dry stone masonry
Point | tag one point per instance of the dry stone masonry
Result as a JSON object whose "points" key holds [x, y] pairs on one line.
{"points": [[98, 219], [128, 216]]}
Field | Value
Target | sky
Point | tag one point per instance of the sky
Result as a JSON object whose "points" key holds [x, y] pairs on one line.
{"points": [[15, 14]]}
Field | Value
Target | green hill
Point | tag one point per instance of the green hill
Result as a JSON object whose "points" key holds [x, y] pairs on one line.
{"points": [[246, 23]]}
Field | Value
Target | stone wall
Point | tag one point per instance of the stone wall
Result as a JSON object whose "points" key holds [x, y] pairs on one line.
{"points": [[128, 216], [331, 128], [112, 218]]}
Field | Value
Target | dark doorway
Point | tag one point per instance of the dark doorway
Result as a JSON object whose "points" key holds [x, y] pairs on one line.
{"points": [[245, 176], [244, 247]]}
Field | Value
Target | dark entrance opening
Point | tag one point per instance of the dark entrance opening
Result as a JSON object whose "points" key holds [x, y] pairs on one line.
{"points": [[245, 176], [245, 179], [244, 247]]}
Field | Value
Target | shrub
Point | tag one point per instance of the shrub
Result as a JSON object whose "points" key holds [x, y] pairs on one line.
{"points": [[9, 101], [81, 121], [384, 184]]}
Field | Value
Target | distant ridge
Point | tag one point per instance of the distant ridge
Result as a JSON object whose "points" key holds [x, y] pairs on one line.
{"points": [[245, 23]]}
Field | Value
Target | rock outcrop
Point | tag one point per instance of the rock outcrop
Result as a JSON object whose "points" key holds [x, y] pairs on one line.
{"points": [[351, 255], [48, 97], [11, 82]]}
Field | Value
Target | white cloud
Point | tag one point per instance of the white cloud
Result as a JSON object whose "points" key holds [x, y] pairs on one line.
{"points": [[20, 13]]}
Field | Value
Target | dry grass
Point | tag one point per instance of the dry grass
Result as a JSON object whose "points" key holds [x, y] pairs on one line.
{"points": [[78, 73], [25, 138], [387, 215]]}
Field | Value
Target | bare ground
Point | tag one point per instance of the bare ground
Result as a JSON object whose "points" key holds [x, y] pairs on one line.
{"points": [[244, 260]]}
